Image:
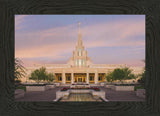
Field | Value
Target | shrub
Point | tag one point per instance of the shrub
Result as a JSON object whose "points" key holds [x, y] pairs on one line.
{"points": [[96, 89], [18, 81], [64, 89], [120, 74], [41, 74]]}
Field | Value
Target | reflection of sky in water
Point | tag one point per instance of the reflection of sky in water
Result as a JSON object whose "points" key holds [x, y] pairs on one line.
{"points": [[81, 97]]}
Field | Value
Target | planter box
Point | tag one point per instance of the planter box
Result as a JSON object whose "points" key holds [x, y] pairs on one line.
{"points": [[99, 93], [60, 94], [57, 84], [65, 85], [50, 87], [102, 84], [93, 85], [19, 93], [87, 85], [35, 88], [123, 88], [141, 93], [81, 91], [110, 86]]}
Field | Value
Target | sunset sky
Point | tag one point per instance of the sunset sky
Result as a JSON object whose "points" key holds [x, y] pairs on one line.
{"points": [[109, 39]]}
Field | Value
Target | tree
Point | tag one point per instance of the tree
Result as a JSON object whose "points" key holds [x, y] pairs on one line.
{"points": [[142, 79], [128, 74], [19, 70], [50, 77], [142, 75], [109, 77], [120, 74], [41, 74]]}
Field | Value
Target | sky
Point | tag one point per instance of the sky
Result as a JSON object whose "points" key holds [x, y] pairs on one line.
{"points": [[108, 39]]}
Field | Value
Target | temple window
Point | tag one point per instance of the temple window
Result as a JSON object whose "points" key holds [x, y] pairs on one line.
{"points": [[76, 62], [79, 62], [83, 62], [59, 78], [79, 51], [100, 78], [68, 78], [91, 78]]}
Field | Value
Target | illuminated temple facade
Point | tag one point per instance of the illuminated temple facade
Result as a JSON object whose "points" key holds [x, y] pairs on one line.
{"points": [[80, 67]]}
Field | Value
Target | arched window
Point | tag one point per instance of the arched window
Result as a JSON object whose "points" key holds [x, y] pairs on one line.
{"points": [[83, 62], [79, 51], [79, 62], [76, 62]]}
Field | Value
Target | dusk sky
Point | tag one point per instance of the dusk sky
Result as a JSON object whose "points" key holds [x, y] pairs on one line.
{"points": [[109, 39]]}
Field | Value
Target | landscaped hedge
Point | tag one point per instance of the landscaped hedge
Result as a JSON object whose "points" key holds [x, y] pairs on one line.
{"points": [[94, 88], [80, 84], [138, 87], [34, 84], [124, 84], [21, 87]]}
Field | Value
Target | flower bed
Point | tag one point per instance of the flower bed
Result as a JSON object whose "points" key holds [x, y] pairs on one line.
{"points": [[125, 84], [93, 88], [34, 84], [80, 84], [64, 89], [96, 89]]}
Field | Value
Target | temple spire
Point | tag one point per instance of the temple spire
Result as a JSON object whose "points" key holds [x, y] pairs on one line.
{"points": [[79, 35], [79, 27]]}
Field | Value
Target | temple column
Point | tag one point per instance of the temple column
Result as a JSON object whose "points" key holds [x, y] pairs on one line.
{"points": [[72, 80], [96, 77], [63, 77], [87, 78]]}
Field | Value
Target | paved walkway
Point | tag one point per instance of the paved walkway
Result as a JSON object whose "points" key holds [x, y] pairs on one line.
{"points": [[112, 95], [50, 95]]}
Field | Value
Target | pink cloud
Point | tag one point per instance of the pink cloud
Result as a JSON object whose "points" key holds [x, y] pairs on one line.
{"points": [[44, 51], [60, 40]]}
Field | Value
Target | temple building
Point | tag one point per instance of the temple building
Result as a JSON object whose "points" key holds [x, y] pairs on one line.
{"points": [[80, 67]]}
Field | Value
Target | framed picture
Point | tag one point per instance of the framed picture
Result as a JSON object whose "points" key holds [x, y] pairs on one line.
{"points": [[103, 66], [74, 58]]}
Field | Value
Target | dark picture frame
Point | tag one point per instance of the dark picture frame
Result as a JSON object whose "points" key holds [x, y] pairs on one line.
{"points": [[149, 8]]}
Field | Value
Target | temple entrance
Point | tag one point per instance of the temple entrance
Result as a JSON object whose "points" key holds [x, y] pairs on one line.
{"points": [[80, 77]]}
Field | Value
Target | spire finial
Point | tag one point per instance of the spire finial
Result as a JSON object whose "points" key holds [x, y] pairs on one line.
{"points": [[79, 27]]}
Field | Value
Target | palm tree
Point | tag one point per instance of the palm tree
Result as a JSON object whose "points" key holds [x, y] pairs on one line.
{"points": [[19, 70], [142, 75]]}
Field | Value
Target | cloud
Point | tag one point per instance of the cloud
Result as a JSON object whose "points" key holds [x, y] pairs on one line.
{"points": [[55, 42], [19, 19], [115, 34]]}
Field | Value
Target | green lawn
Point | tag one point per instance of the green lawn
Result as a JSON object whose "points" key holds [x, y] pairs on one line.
{"points": [[21, 87], [138, 87]]}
